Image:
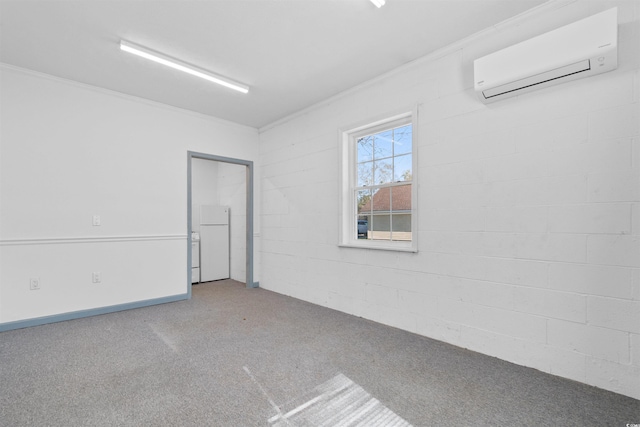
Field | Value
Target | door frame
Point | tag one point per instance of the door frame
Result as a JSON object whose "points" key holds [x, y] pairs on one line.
{"points": [[249, 212]]}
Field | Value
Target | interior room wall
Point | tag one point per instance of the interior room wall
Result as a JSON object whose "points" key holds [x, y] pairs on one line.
{"points": [[529, 221], [204, 188], [69, 152], [233, 193]]}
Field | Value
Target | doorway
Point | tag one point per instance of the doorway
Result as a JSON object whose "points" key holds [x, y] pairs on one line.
{"points": [[248, 214]]}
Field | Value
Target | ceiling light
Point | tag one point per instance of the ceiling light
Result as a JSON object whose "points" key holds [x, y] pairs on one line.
{"points": [[378, 3], [179, 65]]}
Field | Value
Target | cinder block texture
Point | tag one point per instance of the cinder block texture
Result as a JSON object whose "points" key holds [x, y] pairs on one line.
{"points": [[528, 217]]}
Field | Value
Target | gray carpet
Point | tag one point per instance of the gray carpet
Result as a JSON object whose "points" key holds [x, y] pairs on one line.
{"points": [[249, 357]]}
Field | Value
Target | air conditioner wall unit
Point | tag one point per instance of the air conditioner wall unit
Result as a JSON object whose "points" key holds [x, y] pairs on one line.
{"points": [[582, 49]]}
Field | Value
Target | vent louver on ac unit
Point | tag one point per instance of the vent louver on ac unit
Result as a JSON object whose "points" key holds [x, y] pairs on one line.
{"points": [[581, 49]]}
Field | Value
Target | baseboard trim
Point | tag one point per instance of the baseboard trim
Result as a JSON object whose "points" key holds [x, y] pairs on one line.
{"points": [[19, 324]]}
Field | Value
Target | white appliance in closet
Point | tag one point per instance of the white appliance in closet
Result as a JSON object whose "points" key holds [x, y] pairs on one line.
{"points": [[214, 243], [195, 257]]}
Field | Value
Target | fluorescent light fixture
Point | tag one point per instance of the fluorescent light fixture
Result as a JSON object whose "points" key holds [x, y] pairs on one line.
{"points": [[378, 3], [179, 65]]}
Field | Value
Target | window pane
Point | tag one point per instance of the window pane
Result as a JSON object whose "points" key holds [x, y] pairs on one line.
{"points": [[363, 227], [382, 171], [402, 168], [402, 140], [383, 145], [365, 149], [363, 200], [365, 174], [401, 227], [401, 198], [381, 227]]}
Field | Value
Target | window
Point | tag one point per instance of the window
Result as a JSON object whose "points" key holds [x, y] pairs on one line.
{"points": [[378, 172]]}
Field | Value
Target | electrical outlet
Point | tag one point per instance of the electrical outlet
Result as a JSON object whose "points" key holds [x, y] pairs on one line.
{"points": [[34, 283], [96, 277], [96, 220]]}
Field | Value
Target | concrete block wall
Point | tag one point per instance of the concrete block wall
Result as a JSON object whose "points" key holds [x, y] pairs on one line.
{"points": [[529, 223]]}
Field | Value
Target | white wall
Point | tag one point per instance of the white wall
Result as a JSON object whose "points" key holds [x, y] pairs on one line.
{"points": [[529, 221], [204, 188], [233, 193], [67, 152]]}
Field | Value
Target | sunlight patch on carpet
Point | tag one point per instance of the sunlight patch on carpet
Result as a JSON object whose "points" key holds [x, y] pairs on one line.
{"points": [[337, 402]]}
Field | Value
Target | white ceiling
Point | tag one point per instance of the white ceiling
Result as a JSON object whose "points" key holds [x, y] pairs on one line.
{"points": [[293, 53]]}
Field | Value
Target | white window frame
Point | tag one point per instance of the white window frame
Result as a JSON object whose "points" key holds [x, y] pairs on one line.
{"points": [[348, 170]]}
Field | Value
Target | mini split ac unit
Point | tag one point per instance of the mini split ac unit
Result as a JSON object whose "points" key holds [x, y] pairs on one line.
{"points": [[582, 49]]}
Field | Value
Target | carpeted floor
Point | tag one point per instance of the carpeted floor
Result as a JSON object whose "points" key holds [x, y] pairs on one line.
{"points": [[233, 356]]}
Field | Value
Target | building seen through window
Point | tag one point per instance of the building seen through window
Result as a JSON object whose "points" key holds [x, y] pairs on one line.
{"points": [[383, 184]]}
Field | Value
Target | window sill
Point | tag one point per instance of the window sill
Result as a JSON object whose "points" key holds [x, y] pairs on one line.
{"points": [[380, 247]]}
